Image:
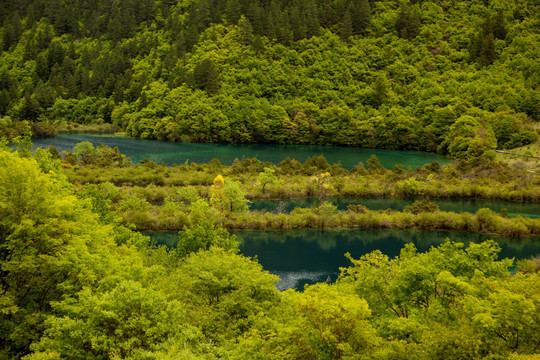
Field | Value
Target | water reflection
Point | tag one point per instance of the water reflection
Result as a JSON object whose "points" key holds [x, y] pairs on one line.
{"points": [[309, 256]]}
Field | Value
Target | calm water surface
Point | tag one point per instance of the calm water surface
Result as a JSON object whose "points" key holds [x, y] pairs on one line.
{"points": [[308, 256], [178, 153], [526, 209]]}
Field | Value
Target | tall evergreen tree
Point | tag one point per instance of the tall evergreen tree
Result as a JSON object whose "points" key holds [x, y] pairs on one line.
{"points": [[206, 76], [233, 11], [499, 25], [298, 25], [346, 26], [245, 30], [408, 21], [5, 101], [312, 19], [487, 53], [12, 31], [361, 16]]}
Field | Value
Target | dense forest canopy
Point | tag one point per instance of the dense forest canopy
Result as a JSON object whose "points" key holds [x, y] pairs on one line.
{"points": [[458, 77], [76, 284]]}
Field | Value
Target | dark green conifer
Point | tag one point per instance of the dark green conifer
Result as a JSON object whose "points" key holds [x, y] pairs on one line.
{"points": [[361, 16], [233, 11], [346, 26], [408, 21], [499, 26], [206, 76], [487, 54], [312, 19]]}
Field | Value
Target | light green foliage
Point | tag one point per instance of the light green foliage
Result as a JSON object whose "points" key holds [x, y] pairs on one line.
{"points": [[410, 187], [235, 197], [267, 177], [420, 206], [51, 246], [468, 138], [83, 149], [188, 195], [203, 233], [336, 322], [228, 195], [225, 292], [46, 161], [117, 323]]}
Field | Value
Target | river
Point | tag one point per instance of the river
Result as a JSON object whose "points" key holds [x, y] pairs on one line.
{"points": [[526, 209], [308, 256], [178, 153]]}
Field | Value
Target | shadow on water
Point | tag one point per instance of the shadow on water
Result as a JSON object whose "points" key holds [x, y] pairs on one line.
{"points": [[309, 256]]}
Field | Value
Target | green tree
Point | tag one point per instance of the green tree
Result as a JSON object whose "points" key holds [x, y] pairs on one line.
{"points": [[361, 17], [203, 233], [206, 76], [379, 90], [51, 247], [346, 26], [233, 11], [235, 197], [373, 164], [227, 292], [125, 320], [85, 152], [267, 177], [487, 51], [408, 21], [499, 25]]}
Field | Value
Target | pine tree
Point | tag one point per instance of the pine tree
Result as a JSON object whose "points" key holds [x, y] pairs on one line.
{"points": [[204, 16], [408, 21], [284, 30], [42, 69], [5, 101], [487, 53], [30, 109], [233, 12], [245, 31], [55, 54], [346, 26], [257, 44], [475, 46], [12, 31], [380, 91], [312, 20], [298, 26], [499, 26], [361, 17], [206, 76]]}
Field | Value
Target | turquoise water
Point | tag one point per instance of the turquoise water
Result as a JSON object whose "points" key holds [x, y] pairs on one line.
{"points": [[308, 256], [526, 209], [178, 153]]}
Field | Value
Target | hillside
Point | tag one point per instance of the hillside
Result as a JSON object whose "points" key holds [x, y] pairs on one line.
{"points": [[456, 77]]}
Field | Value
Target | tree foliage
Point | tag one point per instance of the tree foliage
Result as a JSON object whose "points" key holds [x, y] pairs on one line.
{"points": [[352, 73]]}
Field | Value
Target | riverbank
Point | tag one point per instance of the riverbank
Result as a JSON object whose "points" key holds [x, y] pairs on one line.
{"points": [[485, 180], [485, 221]]}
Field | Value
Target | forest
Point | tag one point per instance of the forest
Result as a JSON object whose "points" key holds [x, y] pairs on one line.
{"points": [[455, 77], [79, 279], [78, 283]]}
